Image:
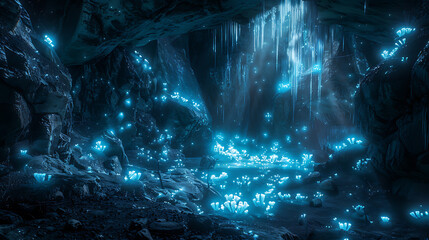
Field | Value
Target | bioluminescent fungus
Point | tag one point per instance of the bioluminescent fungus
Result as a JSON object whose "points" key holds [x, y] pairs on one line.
{"points": [[360, 210], [300, 197], [385, 219], [239, 207], [306, 158], [270, 205], [361, 164], [99, 146], [222, 176], [259, 200], [283, 87], [42, 177], [284, 197], [401, 42], [317, 68], [268, 117], [133, 176], [143, 61], [49, 41], [418, 215], [232, 197], [215, 205], [345, 226], [127, 102], [404, 31], [23, 151]]}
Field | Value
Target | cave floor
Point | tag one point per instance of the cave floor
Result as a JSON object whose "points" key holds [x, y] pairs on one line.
{"points": [[99, 206]]}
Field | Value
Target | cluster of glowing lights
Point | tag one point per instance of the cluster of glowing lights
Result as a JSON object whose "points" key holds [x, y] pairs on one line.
{"points": [[385, 219], [259, 202], [349, 142], [42, 177], [419, 214], [360, 210], [143, 61], [232, 205], [361, 164], [283, 86], [221, 177], [176, 96], [317, 68], [49, 41], [133, 176], [269, 156], [345, 226], [399, 43], [404, 31], [99, 146]]}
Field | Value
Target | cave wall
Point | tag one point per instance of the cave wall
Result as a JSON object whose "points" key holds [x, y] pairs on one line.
{"points": [[35, 89], [391, 110]]}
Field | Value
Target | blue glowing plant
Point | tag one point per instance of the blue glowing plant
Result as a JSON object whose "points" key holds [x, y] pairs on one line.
{"points": [[353, 140], [317, 68], [49, 41], [23, 151], [418, 215], [385, 219], [300, 197], [259, 200], [361, 164], [404, 31], [42, 177], [222, 176], [345, 226], [401, 42], [132, 176], [216, 206], [360, 210], [268, 116], [284, 197], [306, 158], [270, 205], [143, 61], [234, 205], [283, 87], [128, 102], [99, 146]]}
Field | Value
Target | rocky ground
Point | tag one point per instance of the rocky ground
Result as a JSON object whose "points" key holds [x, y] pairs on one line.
{"points": [[97, 203]]}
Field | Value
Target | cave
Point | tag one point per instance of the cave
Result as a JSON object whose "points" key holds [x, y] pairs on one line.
{"points": [[223, 119]]}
